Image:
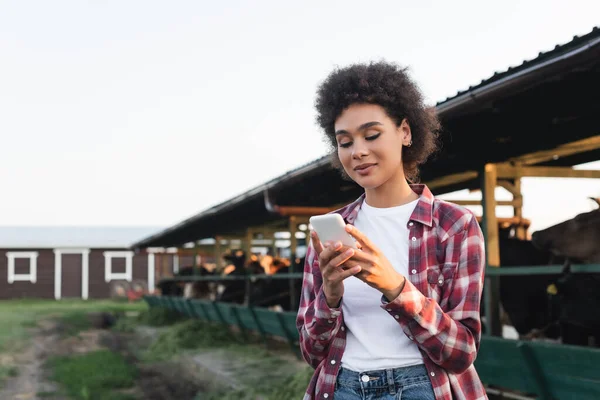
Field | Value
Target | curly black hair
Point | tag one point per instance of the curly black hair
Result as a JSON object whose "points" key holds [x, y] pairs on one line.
{"points": [[389, 86]]}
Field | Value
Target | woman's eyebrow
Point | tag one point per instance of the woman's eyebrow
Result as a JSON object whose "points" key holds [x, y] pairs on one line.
{"points": [[364, 126]]}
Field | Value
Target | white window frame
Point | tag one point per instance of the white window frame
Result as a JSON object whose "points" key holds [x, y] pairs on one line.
{"points": [[108, 274], [32, 275], [152, 251], [151, 277], [85, 257]]}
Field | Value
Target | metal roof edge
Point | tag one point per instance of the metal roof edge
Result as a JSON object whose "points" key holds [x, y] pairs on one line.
{"points": [[489, 86]]}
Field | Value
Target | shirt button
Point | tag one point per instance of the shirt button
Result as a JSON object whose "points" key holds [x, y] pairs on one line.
{"points": [[330, 321], [343, 328], [326, 395], [364, 378], [414, 271], [433, 374], [441, 281], [396, 316], [332, 362], [414, 239], [410, 224]]}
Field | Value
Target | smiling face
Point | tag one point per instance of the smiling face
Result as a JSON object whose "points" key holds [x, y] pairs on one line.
{"points": [[369, 145]]}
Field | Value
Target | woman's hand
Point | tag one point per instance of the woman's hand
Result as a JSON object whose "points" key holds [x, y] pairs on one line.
{"points": [[376, 270], [331, 258]]}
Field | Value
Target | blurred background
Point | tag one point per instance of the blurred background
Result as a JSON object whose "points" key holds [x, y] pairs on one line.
{"points": [[160, 160]]}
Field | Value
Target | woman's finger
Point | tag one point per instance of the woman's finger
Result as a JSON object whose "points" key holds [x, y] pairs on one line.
{"points": [[362, 239], [361, 256], [341, 258], [326, 255], [343, 274], [316, 242]]}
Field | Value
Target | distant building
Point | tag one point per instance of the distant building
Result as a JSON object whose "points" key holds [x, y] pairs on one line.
{"points": [[72, 262]]}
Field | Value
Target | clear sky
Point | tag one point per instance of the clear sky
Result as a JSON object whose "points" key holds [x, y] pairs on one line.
{"points": [[146, 112]]}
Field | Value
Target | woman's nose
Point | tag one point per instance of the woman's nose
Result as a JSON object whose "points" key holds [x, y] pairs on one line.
{"points": [[359, 149]]}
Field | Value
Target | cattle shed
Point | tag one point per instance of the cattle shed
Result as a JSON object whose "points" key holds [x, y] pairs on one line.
{"points": [[71, 262], [537, 119]]}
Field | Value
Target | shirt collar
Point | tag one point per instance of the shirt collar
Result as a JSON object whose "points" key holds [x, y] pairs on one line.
{"points": [[422, 213]]}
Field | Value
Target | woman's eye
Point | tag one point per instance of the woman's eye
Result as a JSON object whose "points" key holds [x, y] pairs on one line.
{"points": [[346, 144], [373, 137]]}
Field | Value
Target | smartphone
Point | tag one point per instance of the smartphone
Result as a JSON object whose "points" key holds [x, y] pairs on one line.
{"points": [[331, 227]]}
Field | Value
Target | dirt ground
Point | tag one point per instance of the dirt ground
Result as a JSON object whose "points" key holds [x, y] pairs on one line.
{"points": [[31, 379], [160, 381]]}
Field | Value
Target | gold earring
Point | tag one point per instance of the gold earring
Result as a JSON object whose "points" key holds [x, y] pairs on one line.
{"points": [[409, 144]]}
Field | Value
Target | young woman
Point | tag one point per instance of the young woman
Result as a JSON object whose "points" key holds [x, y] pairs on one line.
{"points": [[399, 317]]}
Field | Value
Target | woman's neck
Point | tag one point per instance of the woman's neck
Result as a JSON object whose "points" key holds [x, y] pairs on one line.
{"points": [[390, 194]]}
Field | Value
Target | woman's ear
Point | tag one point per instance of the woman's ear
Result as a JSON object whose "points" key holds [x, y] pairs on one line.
{"points": [[404, 130]]}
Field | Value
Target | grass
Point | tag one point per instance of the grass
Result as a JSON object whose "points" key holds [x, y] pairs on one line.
{"points": [[102, 375], [263, 374], [159, 316], [18, 316], [287, 387], [189, 334], [94, 376], [8, 371], [74, 322]]}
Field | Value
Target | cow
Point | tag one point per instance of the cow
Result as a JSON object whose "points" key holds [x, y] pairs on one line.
{"points": [[201, 289], [234, 291], [577, 240], [525, 298], [264, 292], [198, 289], [276, 293]]}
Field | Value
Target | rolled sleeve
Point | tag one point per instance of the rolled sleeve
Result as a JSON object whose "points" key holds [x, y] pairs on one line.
{"points": [[450, 338], [317, 323]]}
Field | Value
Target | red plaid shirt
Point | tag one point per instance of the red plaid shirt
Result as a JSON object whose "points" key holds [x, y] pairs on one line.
{"points": [[438, 307]]}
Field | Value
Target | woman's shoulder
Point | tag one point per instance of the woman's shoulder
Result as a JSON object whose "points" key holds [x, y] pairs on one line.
{"points": [[349, 208]]}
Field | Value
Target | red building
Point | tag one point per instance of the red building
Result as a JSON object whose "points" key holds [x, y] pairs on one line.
{"points": [[73, 262]]}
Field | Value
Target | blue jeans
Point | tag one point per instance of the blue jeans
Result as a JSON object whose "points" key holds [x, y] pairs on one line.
{"points": [[406, 383]]}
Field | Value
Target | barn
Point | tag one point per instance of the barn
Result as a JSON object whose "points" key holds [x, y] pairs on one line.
{"points": [[75, 262]]}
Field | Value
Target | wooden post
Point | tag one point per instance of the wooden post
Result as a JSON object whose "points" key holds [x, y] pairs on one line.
{"points": [[293, 240], [513, 185], [247, 245], [165, 264], [273, 249], [489, 178], [518, 210], [218, 254], [293, 249], [195, 264]]}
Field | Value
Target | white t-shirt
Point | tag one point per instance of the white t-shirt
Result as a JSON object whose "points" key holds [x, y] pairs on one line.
{"points": [[375, 339]]}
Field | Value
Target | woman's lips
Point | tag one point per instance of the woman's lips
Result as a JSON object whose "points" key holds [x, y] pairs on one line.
{"points": [[364, 169]]}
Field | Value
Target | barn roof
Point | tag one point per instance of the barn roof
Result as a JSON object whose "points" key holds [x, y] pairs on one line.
{"points": [[577, 44], [90, 237], [538, 105]]}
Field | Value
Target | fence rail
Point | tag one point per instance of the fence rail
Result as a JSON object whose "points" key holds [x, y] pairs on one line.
{"points": [[489, 271], [541, 270]]}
